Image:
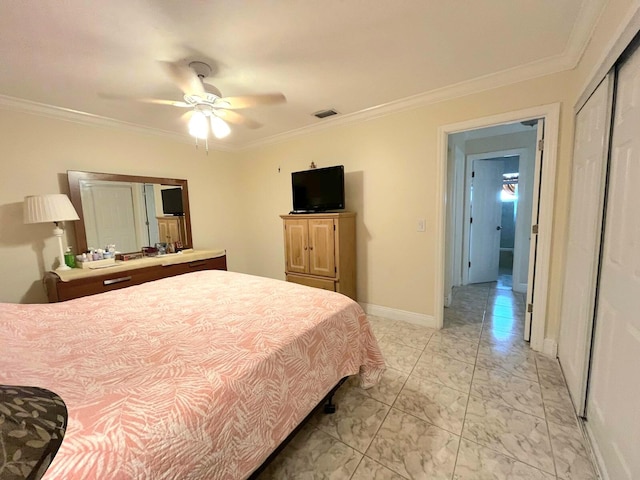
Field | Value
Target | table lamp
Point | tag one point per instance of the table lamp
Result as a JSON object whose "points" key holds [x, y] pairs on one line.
{"points": [[54, 208]]}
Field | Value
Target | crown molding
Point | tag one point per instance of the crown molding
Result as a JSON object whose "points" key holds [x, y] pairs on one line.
{"points": [[75, 116], [491, 81]]}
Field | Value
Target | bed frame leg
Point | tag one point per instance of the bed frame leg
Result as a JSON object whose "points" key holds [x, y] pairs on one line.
{"points": [[330, 407]]}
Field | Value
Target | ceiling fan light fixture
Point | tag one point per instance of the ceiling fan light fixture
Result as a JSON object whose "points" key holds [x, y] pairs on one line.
{"points": [[219, 127], [198, 126]]}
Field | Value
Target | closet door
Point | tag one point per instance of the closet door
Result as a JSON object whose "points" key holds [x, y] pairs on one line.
{"points": [[614, 390], [591, 142]]}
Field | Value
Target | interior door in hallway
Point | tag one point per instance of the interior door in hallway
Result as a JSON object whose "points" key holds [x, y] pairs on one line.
{"points": [[591, 145], [533, 239], [613, 390], [486, 216]]}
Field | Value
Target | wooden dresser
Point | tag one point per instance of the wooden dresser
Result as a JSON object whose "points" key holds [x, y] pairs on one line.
{"points": [[320, 251], [77, 282]]}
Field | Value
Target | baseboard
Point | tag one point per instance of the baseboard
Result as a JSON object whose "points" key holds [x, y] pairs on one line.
{"points": [[403, 315], [550, 347], [594, 451]]}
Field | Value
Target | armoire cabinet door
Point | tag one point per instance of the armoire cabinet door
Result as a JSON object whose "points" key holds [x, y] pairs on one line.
{"points": [[296, 248], [322, 248]]}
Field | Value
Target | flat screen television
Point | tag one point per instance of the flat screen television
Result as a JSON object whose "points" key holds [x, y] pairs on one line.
{"points": [[172, 201], [318, 189]]}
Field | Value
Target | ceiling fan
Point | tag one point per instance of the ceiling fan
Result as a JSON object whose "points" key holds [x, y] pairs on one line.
{"points": [[207, 104]]}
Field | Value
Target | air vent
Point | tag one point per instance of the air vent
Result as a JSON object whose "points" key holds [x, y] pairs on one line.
{"points": [[325, 113]]}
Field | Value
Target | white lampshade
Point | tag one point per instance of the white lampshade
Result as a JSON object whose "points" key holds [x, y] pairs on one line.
{"points": [[219, 127], [55, 207], [198, 126]]}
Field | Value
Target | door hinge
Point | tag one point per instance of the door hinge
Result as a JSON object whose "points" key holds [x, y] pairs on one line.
{"points": [[335, 269], [334, 227], [471, 220], [541, 144], [469, 264], [534, 229], [473, 174], [529, 307]]}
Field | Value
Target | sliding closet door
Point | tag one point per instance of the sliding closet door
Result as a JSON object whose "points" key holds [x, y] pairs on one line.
{"points": [[591, 142], [613, 403]]}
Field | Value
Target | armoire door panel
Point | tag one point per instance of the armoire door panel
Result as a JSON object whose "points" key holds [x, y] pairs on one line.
{"points": [[321, 248], [297, 246]]}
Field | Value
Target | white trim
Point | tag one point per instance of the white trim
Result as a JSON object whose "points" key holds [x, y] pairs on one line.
{"points": [[491, 81], [550, 347], [551, 114], [83, 118], [595, 451], [619, 41], [395, 314]]}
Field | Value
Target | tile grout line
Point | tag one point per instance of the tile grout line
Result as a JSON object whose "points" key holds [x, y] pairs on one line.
{"points": [[546, 420], [464, 418]]}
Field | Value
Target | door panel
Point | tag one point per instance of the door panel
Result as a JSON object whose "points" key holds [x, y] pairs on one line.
{"points": [[614, 389], [585, 227], [322, 248], [486, 212], [533, 241], [296, 233]]}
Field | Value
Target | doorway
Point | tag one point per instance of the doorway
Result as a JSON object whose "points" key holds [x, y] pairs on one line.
{"points": [[544, 181], [501, 212]]}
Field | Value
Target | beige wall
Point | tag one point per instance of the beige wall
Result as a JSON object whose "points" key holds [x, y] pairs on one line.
{"points": [[390, 165], [35, 154]]}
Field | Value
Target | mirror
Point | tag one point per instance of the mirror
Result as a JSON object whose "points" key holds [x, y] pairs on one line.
{"points": [[129, 211]]}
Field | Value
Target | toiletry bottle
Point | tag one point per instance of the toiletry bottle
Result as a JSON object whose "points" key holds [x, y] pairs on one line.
{"points": [[69, 258]]}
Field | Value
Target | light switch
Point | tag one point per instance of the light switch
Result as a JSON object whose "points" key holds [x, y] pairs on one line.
{"points": [[421, 225]]}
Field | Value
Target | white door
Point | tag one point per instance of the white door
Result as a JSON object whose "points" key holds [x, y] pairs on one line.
{"points": [[486, 216], [533, 240], [591, 144], [613, 397]]}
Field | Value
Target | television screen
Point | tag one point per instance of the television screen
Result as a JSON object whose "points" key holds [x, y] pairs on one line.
{"points": [[318, 189], [172, 201]]}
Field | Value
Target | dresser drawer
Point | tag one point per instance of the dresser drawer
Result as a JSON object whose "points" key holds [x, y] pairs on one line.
{"points": [[106, 283], [218, 263], [315, 282]]}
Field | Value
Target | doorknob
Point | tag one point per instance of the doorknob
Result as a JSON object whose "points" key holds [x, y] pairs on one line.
{"points": [[498, 227]]}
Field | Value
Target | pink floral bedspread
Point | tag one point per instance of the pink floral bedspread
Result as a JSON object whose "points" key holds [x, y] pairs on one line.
{"points": [[199, 376]]}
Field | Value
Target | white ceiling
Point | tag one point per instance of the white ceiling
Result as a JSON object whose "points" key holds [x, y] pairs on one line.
{"points": [[351, 55]]}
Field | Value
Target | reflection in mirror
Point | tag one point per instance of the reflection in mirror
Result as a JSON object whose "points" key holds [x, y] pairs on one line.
{"points": [[129, 212], [126, 214]]}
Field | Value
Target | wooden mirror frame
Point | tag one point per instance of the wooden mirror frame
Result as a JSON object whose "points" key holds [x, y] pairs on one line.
{"points": [[74, 177]]}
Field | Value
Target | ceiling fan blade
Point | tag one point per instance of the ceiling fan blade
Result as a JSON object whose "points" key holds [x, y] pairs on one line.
{"points": [[185, 78], [247, 101], [237, 119], [156, 101]]}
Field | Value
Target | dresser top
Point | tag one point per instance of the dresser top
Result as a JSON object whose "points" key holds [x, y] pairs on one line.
{"points": [[121, 266]]}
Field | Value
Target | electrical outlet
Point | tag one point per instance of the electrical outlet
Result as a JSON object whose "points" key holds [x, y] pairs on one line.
{"points": [[422, 225]]}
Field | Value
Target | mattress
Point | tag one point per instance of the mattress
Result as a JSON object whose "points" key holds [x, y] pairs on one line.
{"points": [[198, 376]]}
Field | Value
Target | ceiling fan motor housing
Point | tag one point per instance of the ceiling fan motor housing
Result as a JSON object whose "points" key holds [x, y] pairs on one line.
{"points": [[202, 69]]}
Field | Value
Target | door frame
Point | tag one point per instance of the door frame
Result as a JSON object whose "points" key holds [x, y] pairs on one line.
{"points": [[551, 115]]}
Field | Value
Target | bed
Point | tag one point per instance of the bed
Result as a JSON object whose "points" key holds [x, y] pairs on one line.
{"points": [[199, 376]]}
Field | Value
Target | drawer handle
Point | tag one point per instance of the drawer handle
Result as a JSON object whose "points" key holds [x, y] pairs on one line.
{"points": [[116, 280], [197, 264]]}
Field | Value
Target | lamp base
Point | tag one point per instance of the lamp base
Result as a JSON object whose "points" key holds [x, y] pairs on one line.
{"points": [[57, 231]]}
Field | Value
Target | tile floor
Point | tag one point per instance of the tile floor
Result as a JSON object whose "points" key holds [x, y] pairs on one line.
{"points": [[468, 402]]}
